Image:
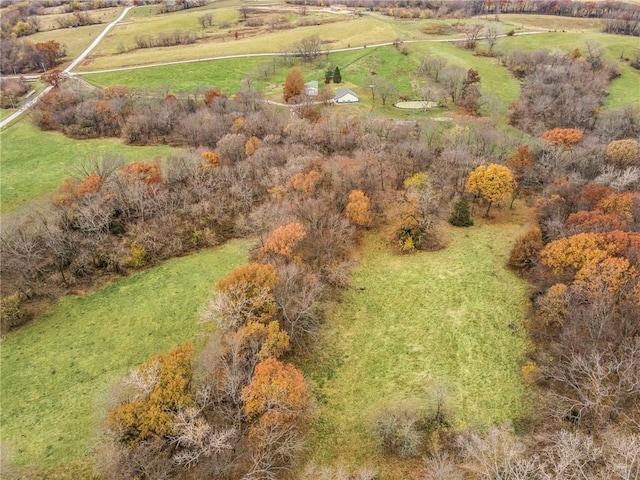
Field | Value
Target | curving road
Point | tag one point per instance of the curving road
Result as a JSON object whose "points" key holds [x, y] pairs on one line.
{"points": [[67, 70]]}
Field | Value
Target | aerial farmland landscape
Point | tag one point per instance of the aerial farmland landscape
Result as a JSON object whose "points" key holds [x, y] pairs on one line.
{"points": [[318, 239]]}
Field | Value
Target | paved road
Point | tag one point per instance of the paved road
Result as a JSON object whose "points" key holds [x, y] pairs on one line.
{"points": [[67, 70]]}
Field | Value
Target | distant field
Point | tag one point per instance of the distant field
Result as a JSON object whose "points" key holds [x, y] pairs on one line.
{"points": [[225, 74], [34, 163], [410, 324], [352, 32], [104, 15], [75, 40], [56, 370], [551, 22]]}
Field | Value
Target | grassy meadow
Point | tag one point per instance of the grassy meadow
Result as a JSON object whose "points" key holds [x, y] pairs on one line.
{"points": [[103, 15], [34, 163], [56, 370], [411, 324]]}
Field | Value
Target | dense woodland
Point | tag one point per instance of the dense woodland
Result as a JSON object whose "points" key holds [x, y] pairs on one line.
{"points": [[306, 184]]}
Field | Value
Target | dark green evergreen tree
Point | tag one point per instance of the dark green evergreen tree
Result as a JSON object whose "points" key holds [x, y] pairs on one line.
{"points": [[461, 215], [328, 75], [337, 77]]}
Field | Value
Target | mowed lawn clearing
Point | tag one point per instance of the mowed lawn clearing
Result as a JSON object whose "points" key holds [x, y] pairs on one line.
{"points": [[410, 324], [56, 370], [34, 163]]}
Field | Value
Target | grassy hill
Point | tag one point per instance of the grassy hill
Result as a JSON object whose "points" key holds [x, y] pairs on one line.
{"points": [[412, 324]]}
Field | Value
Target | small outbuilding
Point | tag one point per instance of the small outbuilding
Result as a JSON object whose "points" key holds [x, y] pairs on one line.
{"points": [[344, 95], [311, 88]]}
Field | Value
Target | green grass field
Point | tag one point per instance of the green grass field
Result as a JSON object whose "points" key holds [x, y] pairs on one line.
{"points": [[550, 22], [410, 324], [56, 370], [5, 112], [34, 163]]}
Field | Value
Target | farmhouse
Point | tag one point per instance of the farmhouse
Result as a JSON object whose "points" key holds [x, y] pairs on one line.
{"points": [[344, 95], [311, 88]]}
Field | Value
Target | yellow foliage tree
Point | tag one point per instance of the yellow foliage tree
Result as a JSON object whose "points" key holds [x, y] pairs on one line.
{"points": [[305, 183], [251, 146], [624, 152], [159, 389], [246, 295], [491, 183]]}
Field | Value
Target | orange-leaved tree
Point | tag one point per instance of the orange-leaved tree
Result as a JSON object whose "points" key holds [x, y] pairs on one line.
{"points": [[562, 137], [305, 183], [212, 94], [283, 241], [159, 389], [491, 183], [277, 394], [520, 163], [209, 159], [358, 209], [595, 221], [293, 84], [246, 295], [251, 146], [148, 173]]}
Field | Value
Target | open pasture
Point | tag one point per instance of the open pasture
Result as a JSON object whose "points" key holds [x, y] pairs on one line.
{"points": [[56, 371], [410, 325], [35, 163], [550, 23]]}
